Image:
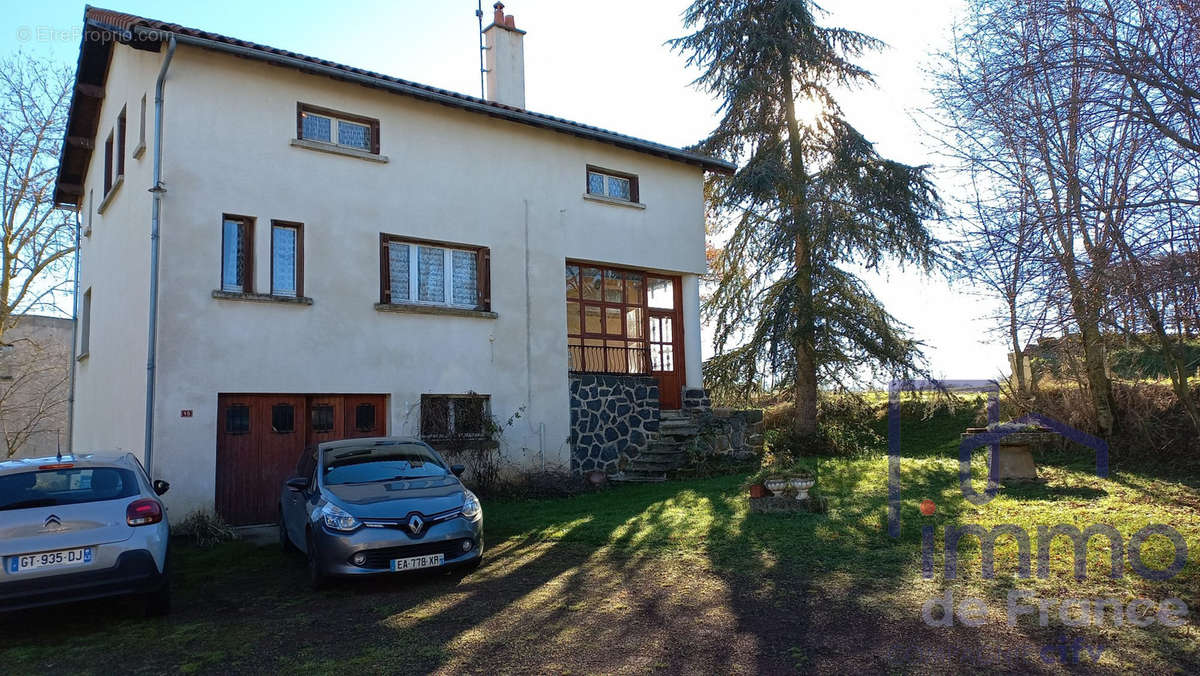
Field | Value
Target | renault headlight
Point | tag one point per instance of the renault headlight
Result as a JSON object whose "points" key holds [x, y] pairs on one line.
{"points": [[471, 508], [338, 519]]}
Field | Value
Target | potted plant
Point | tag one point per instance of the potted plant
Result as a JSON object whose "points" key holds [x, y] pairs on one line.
{"points": [[801, 480], [757, 490]]}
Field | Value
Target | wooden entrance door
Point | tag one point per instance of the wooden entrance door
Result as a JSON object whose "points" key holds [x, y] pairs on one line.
{"points": [[260, 437], [664, 303]]}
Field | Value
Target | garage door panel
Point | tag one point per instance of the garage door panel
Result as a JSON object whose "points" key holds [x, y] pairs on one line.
{"points": [[260, 437]]}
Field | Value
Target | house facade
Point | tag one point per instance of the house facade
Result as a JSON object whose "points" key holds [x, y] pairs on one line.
{"points": [[342, 253]]}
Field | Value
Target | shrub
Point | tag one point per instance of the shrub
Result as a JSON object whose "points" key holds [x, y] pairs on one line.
{"points": [[204, 529], [845, 427]]}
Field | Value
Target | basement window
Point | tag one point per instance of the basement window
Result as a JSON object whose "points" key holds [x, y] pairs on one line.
{"points": [[344, 130], [454, 416], [612, 185]]}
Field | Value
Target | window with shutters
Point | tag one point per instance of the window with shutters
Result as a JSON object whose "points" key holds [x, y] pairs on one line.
{"points": [[428, 273], [237, 254]]}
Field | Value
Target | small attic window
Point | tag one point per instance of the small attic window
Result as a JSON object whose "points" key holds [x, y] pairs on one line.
{"points": [[336, 128], [612, 184]]}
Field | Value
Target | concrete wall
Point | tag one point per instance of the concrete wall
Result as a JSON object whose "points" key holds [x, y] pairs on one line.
{"points": [[34, 370], [451, 175]]}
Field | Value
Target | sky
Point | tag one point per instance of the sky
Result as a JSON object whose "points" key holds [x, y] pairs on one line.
{"points": [[605, 64]]}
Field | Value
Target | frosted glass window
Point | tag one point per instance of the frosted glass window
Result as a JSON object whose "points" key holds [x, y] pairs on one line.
{"points": [[595, 183], [464, 278], [233, 256], [398, 270], [612, 186], [618, 187], [431, 284], [354, 135], [317, 127], [283, 260]]}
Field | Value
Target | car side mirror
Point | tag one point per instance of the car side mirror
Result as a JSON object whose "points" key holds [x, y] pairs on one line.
{"points": [[297, 483], [161, 486], [458, 470]]}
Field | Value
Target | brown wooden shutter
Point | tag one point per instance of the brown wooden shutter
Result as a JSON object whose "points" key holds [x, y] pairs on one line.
{"points": [[248, 255], [374, 126], [633, 189], [483, 268], [385, 278], [299, 120]]}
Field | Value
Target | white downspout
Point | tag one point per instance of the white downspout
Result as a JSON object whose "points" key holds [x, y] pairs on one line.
{"points": [[155, 198]]}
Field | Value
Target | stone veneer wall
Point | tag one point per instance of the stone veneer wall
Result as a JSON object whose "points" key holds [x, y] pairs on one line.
{"points": [[612, 417]]}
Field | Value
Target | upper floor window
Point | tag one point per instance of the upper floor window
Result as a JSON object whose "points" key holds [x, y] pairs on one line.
{"points": [[434, 273], [237, 254], [612, 184], [287, 259], [108, 164], [341, 129], [121, 143]]}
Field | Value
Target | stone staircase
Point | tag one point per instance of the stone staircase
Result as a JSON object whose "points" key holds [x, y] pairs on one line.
{"points": [[665, 451]]}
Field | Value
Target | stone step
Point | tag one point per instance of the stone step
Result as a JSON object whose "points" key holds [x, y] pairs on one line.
{"points": [[674, 415], [653, 455], [638, 477]]}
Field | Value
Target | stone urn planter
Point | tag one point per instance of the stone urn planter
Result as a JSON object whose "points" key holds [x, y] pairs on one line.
{"points": [[801, 486], [776, 486], [1015, 450]]}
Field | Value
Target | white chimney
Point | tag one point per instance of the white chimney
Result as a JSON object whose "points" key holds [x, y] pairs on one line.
{"points": [[505, 60]]}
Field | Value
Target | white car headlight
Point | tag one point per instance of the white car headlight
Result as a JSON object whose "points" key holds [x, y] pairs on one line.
{"points": [[337, 518], [471, 508]]}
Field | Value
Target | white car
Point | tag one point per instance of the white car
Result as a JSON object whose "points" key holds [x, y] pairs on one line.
{"points": [[78, 527]]}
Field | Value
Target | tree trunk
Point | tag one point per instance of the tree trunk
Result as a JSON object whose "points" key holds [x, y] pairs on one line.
{"points": [[804, 342]]}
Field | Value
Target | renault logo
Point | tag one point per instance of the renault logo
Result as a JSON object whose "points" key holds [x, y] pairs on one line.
{"points": [[415, 524]]}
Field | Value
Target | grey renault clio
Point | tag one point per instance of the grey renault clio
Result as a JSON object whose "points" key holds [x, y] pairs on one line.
{"points": [[377, 506]]}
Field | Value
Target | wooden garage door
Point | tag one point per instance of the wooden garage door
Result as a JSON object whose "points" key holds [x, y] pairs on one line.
{"points": [[260, 437]]}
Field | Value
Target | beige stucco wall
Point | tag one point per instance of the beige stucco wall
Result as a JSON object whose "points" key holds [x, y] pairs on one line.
{"points": [[114, 262], [453, 176]]}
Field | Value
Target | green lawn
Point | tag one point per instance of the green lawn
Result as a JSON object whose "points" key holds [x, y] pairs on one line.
{"points": [[674, 577]]}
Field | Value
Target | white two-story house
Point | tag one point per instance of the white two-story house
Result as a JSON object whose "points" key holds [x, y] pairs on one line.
{"points": [[278, 250]]}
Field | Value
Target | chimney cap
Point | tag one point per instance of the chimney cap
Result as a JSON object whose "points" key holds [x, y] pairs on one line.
{"points": [[499, 20]]}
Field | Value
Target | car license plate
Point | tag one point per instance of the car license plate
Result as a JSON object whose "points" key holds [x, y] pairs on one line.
{"points": [[63, 558], [415, 562]]}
